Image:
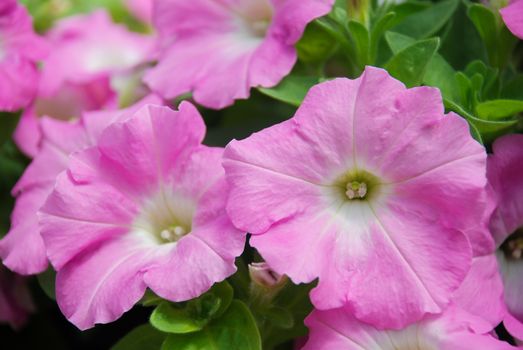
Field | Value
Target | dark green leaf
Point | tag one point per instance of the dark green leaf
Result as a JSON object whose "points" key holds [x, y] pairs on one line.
{"points": [[428, 22], [291, 89], [235, 330], [410, 64], [498, 109], [47, 282], [225, 293], [143, 337]]}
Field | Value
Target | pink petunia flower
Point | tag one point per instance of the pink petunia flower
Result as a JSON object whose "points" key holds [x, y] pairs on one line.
{"points": [[22, 249], [218, 50], [505, 167], [369, 187], [15, 301], [452, 330], [89, 53], [513, 17], [20, 49], [144, 208], [141, 9]]}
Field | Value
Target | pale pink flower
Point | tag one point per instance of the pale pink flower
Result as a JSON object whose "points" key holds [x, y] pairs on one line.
{"points": [[369, 187], [143, 208], [141, 9], [89, 53], [15, 301], [513, 17], [22, 249], [452, 330], [20, 49], [219, 49], [505, 169]]}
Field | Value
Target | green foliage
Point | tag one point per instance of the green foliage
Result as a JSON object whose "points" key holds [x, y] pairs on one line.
{"points": [[235, 330], [427, 22], [291, 89], [410, 64], [143, 337], [193, 315], [46, 280]]}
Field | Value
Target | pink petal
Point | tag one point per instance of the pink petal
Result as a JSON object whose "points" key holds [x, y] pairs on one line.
{"points": [[337, 329], [87, 286], [513, 17]]}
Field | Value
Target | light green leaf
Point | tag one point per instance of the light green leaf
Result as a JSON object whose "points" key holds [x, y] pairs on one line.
{"points": [[488, 129], [291, 89], [143, 337], [172, 319], [235, 330], [316, 44], [410, 64], [361, 39], [428, 22], [498, 109]]}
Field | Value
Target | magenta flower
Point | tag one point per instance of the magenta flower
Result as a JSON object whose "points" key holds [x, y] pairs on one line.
{"points": [[22, 249], [15, 301], [144, 208], [505, 167], [452, 330], [89, 54], [368, 185], [141, 9], [513, 17], [219, 50], [20, 49]]}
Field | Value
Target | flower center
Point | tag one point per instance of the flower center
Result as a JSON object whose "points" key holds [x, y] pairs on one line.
{"points": [[513, 246], [257, 18], [357, 185], [165, 218]]}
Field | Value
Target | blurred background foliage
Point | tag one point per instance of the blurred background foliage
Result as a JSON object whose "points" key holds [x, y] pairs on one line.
{"points": [[459, 46]]}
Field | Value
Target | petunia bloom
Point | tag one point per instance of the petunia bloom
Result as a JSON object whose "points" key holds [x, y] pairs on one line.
{"points": [[218, 50], [513, 17], [337, 329], [89, 53], [20, 49], [376, 180], [143, 208], [505, 167], [22, 249]]}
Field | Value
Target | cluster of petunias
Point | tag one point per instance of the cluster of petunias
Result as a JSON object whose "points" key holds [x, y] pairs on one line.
{"points": [[413, 233]]}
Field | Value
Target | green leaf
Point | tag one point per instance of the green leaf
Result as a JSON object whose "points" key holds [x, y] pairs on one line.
{"points": [[8, 122], [485, 21], [488, 129], [382, 25], [291, 90], [316, 44], [172, 319], [439, 72], [143, 337], [498, 109], [46, 280], [428, 22], [280, 317], [235, 330], [225, 293], [410, 64], [361, 39], [193, 315], [461, 43]]}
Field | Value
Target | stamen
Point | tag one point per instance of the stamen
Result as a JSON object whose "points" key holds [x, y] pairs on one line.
{"points": [[173, 233], [356, 189]]}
